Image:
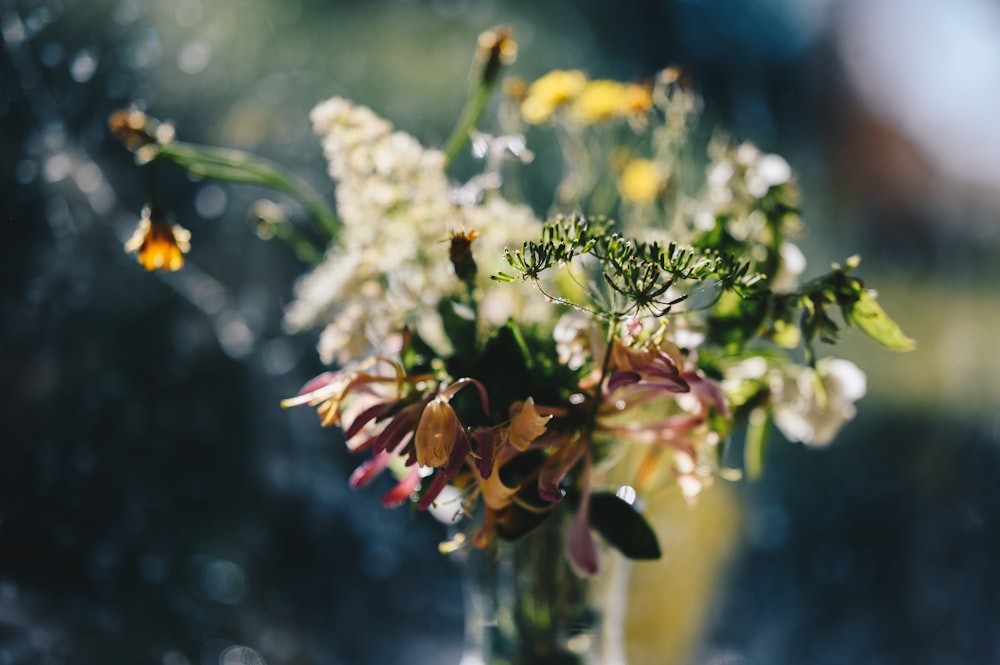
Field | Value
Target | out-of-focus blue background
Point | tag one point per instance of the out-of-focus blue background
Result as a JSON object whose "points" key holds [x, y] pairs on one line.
{"points": [[157, 507]]}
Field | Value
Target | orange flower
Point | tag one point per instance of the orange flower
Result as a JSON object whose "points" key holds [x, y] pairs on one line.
{"points": [[161, 245], [497, 47]]}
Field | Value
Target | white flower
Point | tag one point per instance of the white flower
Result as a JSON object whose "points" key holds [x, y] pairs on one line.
{"points": [[391, 267], [811, 406], [578, 339], [793, 264]]}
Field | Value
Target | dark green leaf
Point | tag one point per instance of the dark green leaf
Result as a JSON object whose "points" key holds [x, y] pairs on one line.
{"points": [[460, 327], [622, 526]]}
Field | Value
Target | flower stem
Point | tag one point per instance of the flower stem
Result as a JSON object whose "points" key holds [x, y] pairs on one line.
{"points": [[231, 165], [605, 366], [471, 114]]}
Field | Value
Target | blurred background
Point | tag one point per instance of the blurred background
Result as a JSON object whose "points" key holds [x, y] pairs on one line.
{"points": [[156, 506]]}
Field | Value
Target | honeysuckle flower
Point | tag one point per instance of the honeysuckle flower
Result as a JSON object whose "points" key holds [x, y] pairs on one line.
{"points": [[527, 425], [496, 495], [812, 405], [647, 367], [159, 244], [403, 490], [497, 445], [570, 450], [641, 317], [437, 432], [439, 427]]}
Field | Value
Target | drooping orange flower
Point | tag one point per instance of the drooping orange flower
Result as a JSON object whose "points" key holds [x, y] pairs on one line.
{"points": [[159, 243]]}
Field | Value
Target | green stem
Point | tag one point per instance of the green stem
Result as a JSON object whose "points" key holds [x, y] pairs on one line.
{"points": [[756, 443], [471, 114], [303, 248], [605, 366], [231, 165]]}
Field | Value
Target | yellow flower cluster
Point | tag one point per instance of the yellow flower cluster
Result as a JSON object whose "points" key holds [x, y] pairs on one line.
{"points": [[588, 101]]}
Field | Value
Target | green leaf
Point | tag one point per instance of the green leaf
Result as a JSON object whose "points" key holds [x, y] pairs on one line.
{"points": [[459, 325], [622, 526], [869, 316]]}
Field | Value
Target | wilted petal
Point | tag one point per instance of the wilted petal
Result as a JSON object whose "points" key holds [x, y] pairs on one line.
{"points": [[527, 425]]}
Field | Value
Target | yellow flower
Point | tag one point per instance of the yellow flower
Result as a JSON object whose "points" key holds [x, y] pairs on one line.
{"points": [[637, 99], [640, 181], [600, 100], [161, 245], [436, 433], [550, 92]]}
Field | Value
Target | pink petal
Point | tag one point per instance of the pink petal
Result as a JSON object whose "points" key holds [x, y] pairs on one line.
{"points": [[403, 490], [708, 390], [369, 469], [365, 417], [580, 546], [400, 425], [488, 444], [620, 379], [318, 382], [549, 479], [450, 391]]}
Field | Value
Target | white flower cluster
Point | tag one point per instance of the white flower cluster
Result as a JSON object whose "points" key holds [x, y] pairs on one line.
{"points": [[391, 267], [812, 405], [808, 405]]}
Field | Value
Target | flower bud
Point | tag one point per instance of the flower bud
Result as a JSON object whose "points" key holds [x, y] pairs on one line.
{"points": [[436, 432]]}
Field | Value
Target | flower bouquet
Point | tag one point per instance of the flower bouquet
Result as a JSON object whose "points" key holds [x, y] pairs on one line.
{"points": [[529, 380]]}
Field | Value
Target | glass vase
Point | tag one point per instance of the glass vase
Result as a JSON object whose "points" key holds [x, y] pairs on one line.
{"points": [[526, 606]]}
